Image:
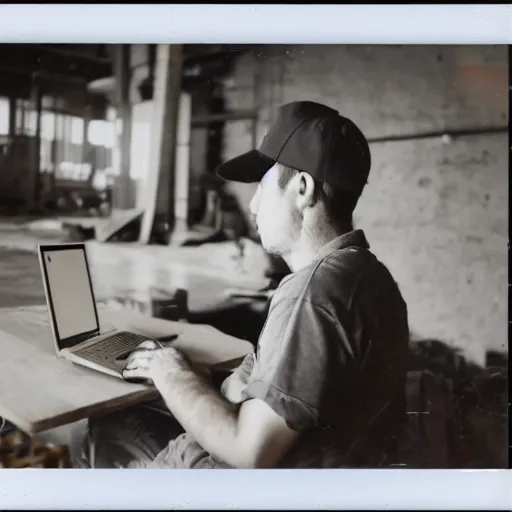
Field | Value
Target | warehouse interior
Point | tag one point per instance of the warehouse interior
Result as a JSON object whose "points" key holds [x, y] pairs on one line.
{"points": [[115, 145]]}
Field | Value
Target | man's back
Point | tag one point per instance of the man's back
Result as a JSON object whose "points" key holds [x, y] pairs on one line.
{"points": [[332, 357]]}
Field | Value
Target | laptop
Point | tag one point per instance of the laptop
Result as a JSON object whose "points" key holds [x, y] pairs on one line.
{"points": [[74, 316]]}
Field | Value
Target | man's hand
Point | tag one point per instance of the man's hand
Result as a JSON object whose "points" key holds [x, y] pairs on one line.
{"points": [[150, 362]]}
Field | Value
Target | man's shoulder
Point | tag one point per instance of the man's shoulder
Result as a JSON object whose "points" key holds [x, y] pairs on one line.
{"points": [[330, 278]]}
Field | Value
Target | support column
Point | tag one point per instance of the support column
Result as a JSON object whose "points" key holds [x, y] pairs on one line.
{"points": [[182, 167], [160, 180], [122, 197], [87, 156], [12, 116], [33, 183]]}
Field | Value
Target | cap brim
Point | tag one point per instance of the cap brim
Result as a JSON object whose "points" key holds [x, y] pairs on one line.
{"points": [[247, 168]]}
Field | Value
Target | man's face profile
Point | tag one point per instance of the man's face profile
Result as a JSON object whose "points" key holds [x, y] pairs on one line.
{"points": [[274, 214]]}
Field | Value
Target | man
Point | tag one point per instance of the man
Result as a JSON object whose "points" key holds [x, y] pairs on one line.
{"points": [[325, 387]]}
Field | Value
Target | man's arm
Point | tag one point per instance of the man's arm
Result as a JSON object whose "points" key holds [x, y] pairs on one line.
{"points": [[251, 435]]}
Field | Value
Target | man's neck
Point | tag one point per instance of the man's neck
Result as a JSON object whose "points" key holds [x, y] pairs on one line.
{"points": [[308, 247]]}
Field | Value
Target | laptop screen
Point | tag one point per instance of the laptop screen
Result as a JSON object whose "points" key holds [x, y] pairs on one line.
{"points": [[70, 294]]}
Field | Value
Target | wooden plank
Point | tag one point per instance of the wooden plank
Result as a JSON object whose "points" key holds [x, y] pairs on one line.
{"points": [[39, 391]]}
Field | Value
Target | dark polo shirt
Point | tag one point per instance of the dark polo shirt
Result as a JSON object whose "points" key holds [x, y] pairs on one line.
{"points": [[332, 356]]}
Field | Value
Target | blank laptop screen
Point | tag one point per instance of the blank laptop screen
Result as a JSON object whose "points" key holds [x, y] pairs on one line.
{"points": [[70, 292]]}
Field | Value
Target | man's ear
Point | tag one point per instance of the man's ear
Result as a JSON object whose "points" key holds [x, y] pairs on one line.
{"points": [[305, 191]]}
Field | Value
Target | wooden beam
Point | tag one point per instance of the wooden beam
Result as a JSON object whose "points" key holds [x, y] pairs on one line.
{"points": [[26, 59], [70, 50], [159, 187], [235, 115]]}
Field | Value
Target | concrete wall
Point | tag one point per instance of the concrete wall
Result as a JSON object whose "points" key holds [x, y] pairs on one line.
{"points": [[435, 211]]}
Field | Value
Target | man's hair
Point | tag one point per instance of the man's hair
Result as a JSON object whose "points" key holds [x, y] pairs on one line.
{"points": [[339, 204]]}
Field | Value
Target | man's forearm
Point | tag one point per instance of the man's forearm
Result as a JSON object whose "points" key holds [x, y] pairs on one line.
{"points": [[203, 413]]}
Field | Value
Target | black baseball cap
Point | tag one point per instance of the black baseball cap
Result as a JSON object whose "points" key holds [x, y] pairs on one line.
{"points": [[312, 138]]}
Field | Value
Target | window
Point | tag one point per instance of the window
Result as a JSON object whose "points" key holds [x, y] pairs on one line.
{"points": [[4, 116], [101, 133], [77, 130], [47, 125]]}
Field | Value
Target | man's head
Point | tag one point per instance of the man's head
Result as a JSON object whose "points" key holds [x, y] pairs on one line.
{"points": [[311, 168]]}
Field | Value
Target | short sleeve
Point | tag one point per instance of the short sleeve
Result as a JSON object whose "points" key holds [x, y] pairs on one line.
{"points": [[303, 358], [243, 371], [232, 387]]}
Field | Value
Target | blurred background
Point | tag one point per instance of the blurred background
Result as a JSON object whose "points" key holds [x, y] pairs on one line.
{"points": [[116, 144]]}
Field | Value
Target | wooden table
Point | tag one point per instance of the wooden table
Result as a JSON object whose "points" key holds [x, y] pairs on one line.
{"points": [[39, 391]]}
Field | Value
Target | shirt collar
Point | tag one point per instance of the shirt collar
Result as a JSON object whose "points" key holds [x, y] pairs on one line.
{"points": [[354, 238]]}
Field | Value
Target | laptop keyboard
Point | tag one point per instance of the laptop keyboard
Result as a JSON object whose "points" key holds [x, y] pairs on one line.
{"points": [[113, 346]]}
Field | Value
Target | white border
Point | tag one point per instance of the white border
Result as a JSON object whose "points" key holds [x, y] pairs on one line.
{"points": [[305, 24], [263, 490]]}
